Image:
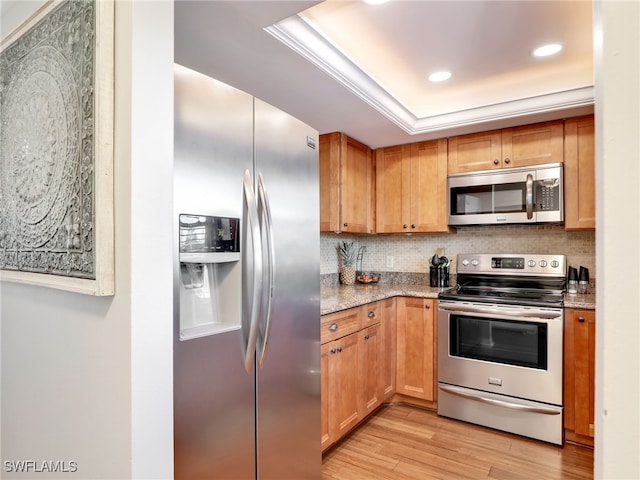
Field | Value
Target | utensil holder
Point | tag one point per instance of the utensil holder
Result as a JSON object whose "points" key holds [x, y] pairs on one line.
{"points": [[438, 277]]}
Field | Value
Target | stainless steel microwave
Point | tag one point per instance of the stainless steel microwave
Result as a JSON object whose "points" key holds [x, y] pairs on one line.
{"points": [[509, 195]]}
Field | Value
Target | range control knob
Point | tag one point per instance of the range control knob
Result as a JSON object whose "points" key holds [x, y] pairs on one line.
{"points": [[555, 263], [543, 263], [475, 262], [531, 263], [465, 262]]}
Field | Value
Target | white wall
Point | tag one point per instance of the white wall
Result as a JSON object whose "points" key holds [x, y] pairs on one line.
{"points": [[617, 37], [89, 379]]}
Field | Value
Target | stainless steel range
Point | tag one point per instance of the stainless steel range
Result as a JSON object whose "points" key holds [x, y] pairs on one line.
{"points": [[500, 334]]}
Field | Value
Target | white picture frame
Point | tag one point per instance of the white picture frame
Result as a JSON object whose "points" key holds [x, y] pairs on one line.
{"points": [[100, 280]]}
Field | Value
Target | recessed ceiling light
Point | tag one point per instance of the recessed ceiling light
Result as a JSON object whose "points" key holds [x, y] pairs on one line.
{"points": [[547, 50], [375, 2], [439, 76]]}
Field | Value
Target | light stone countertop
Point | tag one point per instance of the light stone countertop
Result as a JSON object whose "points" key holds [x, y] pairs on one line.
{"points": [[334, 299]]}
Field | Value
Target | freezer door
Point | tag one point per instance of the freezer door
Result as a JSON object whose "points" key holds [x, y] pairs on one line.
{"points": [[288, 378], [214, 396]]}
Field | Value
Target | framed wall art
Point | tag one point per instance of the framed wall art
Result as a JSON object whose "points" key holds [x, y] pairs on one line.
{"points": [[56, 148]]}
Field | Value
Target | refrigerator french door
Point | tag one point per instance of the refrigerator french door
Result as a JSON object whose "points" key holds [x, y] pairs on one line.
{"points": [[246, 287]]}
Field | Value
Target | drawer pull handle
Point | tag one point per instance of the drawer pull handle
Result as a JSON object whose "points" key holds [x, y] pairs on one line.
{"points": [[371, 315], [333, 327]]}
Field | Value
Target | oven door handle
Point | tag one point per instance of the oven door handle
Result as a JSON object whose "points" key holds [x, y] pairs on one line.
{"points": [[499, 403], [502, 312]]}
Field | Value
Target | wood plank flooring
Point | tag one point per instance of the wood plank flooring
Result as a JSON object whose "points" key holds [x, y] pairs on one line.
{"points": [[405, 442]]}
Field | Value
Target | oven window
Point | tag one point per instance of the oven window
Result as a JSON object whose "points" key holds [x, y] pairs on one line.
{"points": [[499, 198], [500, 341]]}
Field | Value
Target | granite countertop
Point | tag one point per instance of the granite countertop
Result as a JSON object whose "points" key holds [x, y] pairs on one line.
{"points": [[334, 299]]}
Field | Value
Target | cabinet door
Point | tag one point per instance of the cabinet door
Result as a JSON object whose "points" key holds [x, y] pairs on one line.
{"points": [[391, 188], [428, 183], [388, 355], [579, 371], [478, 151], [329, 173], [346, 184], [415, 348], [356, 187], [344, 400], [369, 350], [533, 144], [325, 438], [579, 174]]}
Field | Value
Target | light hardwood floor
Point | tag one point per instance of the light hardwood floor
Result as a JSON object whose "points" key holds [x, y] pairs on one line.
{"points": [[405, 442]]}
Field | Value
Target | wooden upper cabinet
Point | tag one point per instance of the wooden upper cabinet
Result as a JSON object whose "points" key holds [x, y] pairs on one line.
{"points": [[411, 188], [478, 151], [579, 174], [534, 144], [346, 185]]}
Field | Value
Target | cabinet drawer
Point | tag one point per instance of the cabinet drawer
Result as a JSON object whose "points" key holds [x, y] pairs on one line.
{"points": [[370, 314], [339, 324]]}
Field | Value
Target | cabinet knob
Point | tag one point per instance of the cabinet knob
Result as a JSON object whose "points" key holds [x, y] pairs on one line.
{"points": [[507, 161], [333, 350], [428, 306], [345, 224], [405, 226], [413, 225], [333, 327], [371, 315], [366, 337], [581, 319], [496, 161], [339, 349]]}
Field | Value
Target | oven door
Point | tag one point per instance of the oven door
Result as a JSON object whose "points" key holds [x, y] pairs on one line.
{"points": [[519, 195], [504, 349]]}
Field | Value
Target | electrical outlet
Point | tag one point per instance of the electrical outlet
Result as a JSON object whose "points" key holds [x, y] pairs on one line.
{"points": [[389, 261]]}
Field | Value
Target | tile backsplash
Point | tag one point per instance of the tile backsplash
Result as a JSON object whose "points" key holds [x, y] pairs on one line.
{"points": [[411, 253]]}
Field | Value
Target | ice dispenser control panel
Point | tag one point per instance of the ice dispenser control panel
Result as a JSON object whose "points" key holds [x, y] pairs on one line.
{"points": [[209, 275], [207, 239]]}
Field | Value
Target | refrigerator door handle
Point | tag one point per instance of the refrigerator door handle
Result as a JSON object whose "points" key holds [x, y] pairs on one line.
{"points": [[264, 210], [250, 297]]}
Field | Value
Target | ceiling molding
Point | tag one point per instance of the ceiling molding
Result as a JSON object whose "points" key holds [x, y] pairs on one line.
{"points": [[301, 36]]}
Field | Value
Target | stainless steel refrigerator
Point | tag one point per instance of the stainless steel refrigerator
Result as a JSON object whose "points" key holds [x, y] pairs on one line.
{"points": [[246, 287]]}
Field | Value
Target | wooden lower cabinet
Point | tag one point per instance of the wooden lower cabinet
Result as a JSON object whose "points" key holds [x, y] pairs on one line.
{"points": [[416, 352], [579, 375], [388, 355], [369, 349], [351, 369]]}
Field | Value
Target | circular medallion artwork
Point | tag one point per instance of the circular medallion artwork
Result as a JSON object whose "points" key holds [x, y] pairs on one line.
{"points": [[47, 152], [40, 151]]}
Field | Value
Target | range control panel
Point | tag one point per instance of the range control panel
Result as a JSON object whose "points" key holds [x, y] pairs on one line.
{"points": [[514, 264]]}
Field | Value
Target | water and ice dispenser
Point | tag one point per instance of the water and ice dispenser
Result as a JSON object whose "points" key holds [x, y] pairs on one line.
{"points": [[210, 275]]}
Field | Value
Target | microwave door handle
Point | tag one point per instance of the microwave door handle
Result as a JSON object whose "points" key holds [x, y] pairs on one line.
{"points": [[529, 196]]}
